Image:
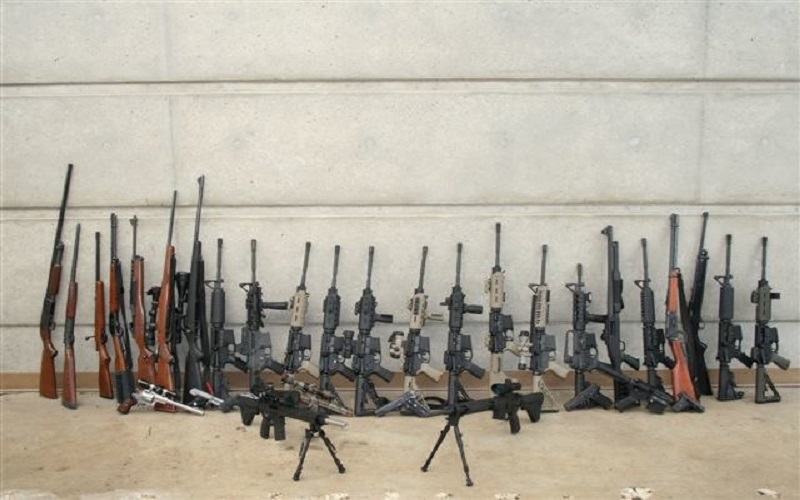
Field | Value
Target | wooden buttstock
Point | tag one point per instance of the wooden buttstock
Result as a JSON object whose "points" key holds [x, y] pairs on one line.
{"points": [[47, 373], [145, 363], [681, 378], [119, 354], [69, 394], [146, 367], [104, 381], [104, 378], [164, 369]]}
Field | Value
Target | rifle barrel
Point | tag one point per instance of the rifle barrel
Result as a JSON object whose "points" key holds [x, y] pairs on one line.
{"points": [[728, 241], [369, 266], [458, 264], [544, 264], [764, 258], [97, 256], [305, 267], [75, 253], [172, 218], [113, 236], [219, 259], [644, 258], [135, 223], [252, 261], [201, 181], [335, 265], [673, 241], [703, 231], [422, 269], [497, 246], [61, 211]]}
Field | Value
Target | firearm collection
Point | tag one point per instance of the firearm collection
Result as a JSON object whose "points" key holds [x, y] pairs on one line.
{"points": [[177, 321]]}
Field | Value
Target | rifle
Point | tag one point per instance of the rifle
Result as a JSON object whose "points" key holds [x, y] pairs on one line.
{"points": [[146, 362], [298, 344], [653, 338], [766, 345], [47, 323], [415, 350], [536, 347], [458, 356], [504, 406], [223, 338], [498, 340], [692, 321], [275, 406], [729, 340], [331, 359], [584, 351], [681, 378], [165, 327], [256, 346], [69, 395], [123, 361], [198, 357], [367, 353], [100, 336], [615, 304]]}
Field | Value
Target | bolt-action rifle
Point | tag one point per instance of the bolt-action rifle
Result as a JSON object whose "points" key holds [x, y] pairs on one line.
{"points": [[653, 338], [611, 334], [146, 362], [415, 350], [458, 356], [47, 373], [693, 322], [198, 355], [298, 345], [165, 322], [682, 385], [499, 340], [69, 394], [766, 345], [729, 341], [537, 348], [223, 338], [100, 335], [331, 354], [123, 360], [256, 346], [367, 352]]}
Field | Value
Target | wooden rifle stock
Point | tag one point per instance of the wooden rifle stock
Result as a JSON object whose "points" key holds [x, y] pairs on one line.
{"points": [[163, 376], [681, 378], [47, 374], [146, 369], [104, 381], [69, 395]]}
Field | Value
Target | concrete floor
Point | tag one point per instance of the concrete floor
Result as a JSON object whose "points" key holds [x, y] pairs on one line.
{"points": [[731, 451]]}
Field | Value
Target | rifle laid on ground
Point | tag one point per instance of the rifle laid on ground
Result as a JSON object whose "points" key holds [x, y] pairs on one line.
{"points": [[653, 338], [504, 406], [165, 322], [611, 320], [415, 350], [692, 321], [223, 338], [766, 345], [146, 362], [367, 351], [69, 394], [458, 356], [197, 368], [100, 335], [682, 386], [729, 341], [123, 359], [536, 347], [275, 406], [254, 353], [47, 323], [331, 354], [298, 345], [498, 340]]}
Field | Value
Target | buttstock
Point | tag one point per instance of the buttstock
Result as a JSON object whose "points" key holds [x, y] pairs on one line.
{"points": [[47, 373], [560, 370], [430, 372], [69, 394]]}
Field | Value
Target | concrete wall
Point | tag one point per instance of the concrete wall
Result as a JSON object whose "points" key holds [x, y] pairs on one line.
{"points": [[402, 125]]}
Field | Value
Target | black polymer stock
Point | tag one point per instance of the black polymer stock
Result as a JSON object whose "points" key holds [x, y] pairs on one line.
{"points": [[693, 322], [653, 338], [331, 355], [584, 359], [729, 340], [766, 344], [367, 351], [499, 323], [123, 377], [197, 371], [223, 339], [256, 346], [458, 356], [298, 344]]}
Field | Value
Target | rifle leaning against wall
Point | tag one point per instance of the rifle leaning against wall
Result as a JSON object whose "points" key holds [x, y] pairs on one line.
{"points": [[118, 327], [69, 395], [146, 362], [766, 345], [499, 340], [47, 323], [693, 322], [224, 342], [165, 322], [100, 335], [297, 356]]}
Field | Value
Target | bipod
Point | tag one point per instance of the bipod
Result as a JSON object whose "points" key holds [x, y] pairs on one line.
{"points": [[453, 419], [315, 430]]}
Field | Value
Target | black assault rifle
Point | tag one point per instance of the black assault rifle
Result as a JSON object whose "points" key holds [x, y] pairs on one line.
{"points": [[499, 323], [224, 350], [298, 344]]}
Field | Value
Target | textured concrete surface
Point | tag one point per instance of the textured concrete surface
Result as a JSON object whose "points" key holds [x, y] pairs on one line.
{"points": [[402, 125], [730, 451]]}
